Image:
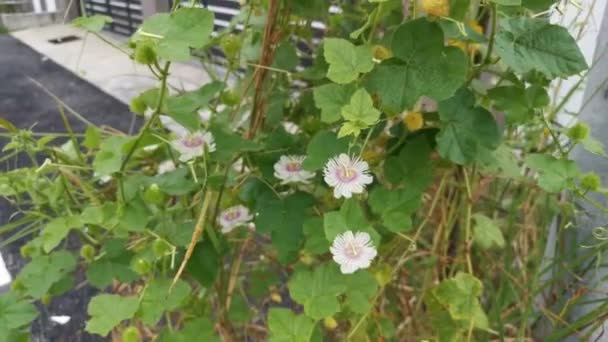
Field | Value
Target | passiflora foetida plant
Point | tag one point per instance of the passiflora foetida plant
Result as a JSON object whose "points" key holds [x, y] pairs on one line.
{"points": [[361, 170]]}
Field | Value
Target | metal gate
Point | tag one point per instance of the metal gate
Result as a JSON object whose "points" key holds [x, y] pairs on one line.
{"points": [[126, 14]]}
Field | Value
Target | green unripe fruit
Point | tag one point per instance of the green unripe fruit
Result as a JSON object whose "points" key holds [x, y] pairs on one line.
{"points": [[141, 266], [137, 105], [154, 195], [579, 132], [27, 251], [144, 54], [161, 247], [131, 334], [231, 45], [591, 181], [231, 98], [87, 252]]}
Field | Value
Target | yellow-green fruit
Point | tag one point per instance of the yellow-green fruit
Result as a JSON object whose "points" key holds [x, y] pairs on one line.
{"points": [[137, 105], [161, 247], [131, 334], [27, 250], [579, 132], [87, 252], [231, 98], [330, 323], [231, 45], [381, 53], [591, 181], [436, 8], [144, 54], [141, 266], [275, 297], [414, 121]]}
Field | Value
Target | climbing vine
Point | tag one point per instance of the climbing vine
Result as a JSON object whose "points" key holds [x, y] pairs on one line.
{"points": [[373, 170]]}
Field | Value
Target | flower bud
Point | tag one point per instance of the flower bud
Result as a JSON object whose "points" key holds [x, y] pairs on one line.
{"points": [[154, 195], [27, 250], [579, 132], [137, 105], [144, 54], [591, 181], [231, 45]]}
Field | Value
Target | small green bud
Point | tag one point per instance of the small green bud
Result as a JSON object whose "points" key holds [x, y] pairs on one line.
{"points": [[141, 266], [154, 195], [27, 251], [87, 252], [144, 54], [137, 105], [131, 334], [579, 132], [231, 45], [591, 181], [161, 247]]}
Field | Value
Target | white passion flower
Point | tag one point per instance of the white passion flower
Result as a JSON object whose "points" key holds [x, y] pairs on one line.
{"points": [[353, 251], [346, 175], [189, 144], [233, 217], [165, 166], [289, 170]]}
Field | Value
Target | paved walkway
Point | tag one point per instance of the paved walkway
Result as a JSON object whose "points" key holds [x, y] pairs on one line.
{"points": [[103, 65]]}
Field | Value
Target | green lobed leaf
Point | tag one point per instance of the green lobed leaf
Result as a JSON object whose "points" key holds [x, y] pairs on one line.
{"points": [[107, 311], [527, 44], [360, 111], [44, 271], [57, 229], [285, 326], [460, 297], [346, 61], [486, 232], [330, 98], [412, 167], [317, 290], [395, 207], [15, 313], [283, 218], [420, 67], [555, 174], [361, 287], [158, 298], [323, 146], [468, 130], [199, 329]]}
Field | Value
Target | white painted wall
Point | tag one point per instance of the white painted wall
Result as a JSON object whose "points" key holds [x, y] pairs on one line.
{"points": [[5, 277]]}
